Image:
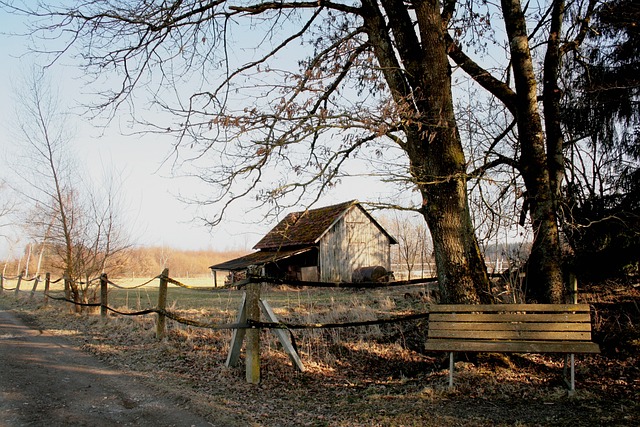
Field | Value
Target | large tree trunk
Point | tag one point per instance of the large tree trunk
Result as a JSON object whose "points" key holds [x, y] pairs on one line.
{"points": [[462, 274], [544, 274], [439, 166], [421, 89], [551, 95]]}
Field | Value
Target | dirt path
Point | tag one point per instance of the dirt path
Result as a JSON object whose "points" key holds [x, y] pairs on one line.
{"points": [[45, 381]]}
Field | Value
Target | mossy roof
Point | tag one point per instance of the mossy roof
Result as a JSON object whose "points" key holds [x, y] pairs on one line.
{"points": [[307, 227]]}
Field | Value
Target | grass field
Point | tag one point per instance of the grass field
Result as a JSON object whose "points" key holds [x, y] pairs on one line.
{"points": [[304, 305]]}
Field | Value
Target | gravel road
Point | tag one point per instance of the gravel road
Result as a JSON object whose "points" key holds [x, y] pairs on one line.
{"points": [[46, 381]]}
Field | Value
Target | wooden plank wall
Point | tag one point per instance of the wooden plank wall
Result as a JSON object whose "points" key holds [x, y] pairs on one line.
{"points": [[352, 242]]}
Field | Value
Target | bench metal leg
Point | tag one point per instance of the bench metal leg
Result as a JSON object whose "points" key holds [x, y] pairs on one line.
{"points": [[451, 366], [569, 359]]}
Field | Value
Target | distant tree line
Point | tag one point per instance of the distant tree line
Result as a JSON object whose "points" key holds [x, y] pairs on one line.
{"points": [[133, 262]]}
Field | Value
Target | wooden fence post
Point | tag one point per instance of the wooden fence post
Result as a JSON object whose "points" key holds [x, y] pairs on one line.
{"points": [[104, 295], [252, 337], [162, 304], [1, 283], [47, 283], [35, 286], [238, 334], [287, 345], [18, 284]]}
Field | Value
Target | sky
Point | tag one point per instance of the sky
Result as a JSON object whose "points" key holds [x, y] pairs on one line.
{"points": [[155, 216]]}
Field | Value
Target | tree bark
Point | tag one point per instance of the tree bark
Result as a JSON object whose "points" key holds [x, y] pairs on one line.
{"points": [[551, 96], [544, 274], [437, 161]]}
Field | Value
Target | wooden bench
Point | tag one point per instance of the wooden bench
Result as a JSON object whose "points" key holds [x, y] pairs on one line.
{"points": [[512, 328]]}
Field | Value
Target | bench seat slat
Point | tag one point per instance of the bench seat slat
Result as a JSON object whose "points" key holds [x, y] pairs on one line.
{"points": [[512, 335], [510, 326], [510, 317], [511, 346], [488, 308]]}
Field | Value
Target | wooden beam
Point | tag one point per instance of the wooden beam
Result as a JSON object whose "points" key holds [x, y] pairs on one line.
{"points": [[511, 346], [282, 336], [238, 334], [528, 308]]}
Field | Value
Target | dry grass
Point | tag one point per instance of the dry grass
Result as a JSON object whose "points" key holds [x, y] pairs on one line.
{"points": [[364, 376]]}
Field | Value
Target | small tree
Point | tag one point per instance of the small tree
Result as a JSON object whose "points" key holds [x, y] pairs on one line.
{"points": [[80, 227]]}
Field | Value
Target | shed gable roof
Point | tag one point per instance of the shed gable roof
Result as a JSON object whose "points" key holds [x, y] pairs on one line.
{"points": [[307, 227]]}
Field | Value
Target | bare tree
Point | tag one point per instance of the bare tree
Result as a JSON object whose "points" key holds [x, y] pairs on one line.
{"points": [[374, 84], [79, 227], [414, 249], [257, 116], [7, 208]]}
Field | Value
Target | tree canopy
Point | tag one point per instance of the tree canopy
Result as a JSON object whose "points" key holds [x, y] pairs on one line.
{"points": [[602, 114], [277, 100]]}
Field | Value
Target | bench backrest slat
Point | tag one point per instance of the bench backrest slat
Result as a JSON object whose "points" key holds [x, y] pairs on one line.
{"points": [[529, 308], [578, 327], [511, 317]]}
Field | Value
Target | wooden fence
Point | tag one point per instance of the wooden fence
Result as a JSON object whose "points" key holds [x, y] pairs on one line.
{"points": [[247, 326]]}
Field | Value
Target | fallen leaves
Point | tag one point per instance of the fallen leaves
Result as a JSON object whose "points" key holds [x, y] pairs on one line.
{"points": [[383, 380]]}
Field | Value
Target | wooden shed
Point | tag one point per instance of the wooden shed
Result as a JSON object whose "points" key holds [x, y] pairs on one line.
{"points": [[326, 244]]}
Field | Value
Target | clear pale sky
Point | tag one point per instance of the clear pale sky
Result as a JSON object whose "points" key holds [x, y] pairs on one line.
{"points": [[156, 216]]}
